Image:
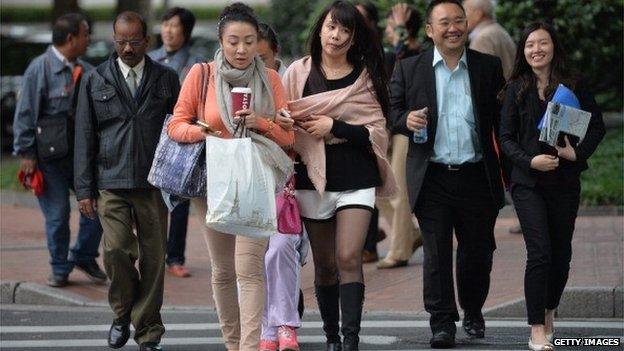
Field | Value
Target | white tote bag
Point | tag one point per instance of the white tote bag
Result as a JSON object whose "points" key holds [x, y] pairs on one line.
{"points": [[240, 188]]}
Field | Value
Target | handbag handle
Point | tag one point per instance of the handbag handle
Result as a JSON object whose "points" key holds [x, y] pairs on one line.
{"points": [[240, 129], [204, 89]]}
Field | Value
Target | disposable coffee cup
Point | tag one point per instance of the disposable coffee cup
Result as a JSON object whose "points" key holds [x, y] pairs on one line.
{"points": [[241, 99]]}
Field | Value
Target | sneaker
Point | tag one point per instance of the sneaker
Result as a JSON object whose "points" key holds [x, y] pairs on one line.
{"points": [[92, 271], [57, 280], [287, 338], [179, 271], [268, 345]]}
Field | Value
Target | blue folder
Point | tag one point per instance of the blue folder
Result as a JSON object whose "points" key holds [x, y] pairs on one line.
{"points": [[565, 96]]}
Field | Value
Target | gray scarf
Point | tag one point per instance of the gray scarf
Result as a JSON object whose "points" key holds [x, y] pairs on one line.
{"points": [[263, 104], [254, 77]]}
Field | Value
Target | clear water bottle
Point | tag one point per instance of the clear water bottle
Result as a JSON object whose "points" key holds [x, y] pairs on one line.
{"points": [[420, 137]]}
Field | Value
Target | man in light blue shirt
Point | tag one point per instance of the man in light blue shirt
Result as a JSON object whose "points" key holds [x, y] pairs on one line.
{"points": [[453, 175], [456, 137]]}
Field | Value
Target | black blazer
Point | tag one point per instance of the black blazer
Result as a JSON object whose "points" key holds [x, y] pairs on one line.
{"points": [[413, 87], [519, 136]]}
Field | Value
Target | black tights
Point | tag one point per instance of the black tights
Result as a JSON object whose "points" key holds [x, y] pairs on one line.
{"points": [[337, 246]]}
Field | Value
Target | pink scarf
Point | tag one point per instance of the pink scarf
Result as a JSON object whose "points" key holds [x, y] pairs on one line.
{"points": [[355, 104]]}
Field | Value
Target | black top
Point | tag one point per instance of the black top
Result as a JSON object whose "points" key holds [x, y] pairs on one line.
{"points": [[350, 165], [519, 136]]}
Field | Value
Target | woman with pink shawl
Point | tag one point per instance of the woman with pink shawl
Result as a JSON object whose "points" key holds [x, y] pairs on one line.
{"points": [[338, 98]]}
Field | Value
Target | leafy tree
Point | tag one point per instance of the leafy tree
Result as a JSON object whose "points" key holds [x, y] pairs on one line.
{"points": [[289, 18]]}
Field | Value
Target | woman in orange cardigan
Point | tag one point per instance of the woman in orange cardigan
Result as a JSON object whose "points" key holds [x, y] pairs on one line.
{"points": [[234, 258]]}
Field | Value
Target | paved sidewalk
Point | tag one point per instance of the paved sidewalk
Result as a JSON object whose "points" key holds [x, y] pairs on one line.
{"points": [[597, 262]]}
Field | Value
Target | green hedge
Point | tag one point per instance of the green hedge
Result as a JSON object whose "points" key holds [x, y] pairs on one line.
{"points": [[603, 182]]}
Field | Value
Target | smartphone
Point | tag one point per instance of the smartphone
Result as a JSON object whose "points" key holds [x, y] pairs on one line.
{"points": [[208, 127]]}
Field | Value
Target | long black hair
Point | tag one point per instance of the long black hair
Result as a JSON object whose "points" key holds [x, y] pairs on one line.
{"points": [[366, 50], [523, 73]]}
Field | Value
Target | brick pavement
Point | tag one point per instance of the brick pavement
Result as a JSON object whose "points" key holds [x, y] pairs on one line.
{"points": [[597, 261]]}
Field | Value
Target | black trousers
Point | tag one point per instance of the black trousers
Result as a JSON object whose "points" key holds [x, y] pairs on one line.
{"points": [[176, 242], [547, 215], [459, 200]]}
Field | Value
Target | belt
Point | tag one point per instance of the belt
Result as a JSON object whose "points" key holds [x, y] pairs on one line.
{"points": [[455, 168]]}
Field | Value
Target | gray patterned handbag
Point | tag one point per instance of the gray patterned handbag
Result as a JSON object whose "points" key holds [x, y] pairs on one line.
{"points": [[180, 169]]}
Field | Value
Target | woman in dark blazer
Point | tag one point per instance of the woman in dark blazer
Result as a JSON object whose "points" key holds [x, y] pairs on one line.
{"points": [[545, 184]]}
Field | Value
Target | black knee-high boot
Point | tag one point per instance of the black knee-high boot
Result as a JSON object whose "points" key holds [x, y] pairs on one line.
{"points": [[328, 297], [351, 302]]}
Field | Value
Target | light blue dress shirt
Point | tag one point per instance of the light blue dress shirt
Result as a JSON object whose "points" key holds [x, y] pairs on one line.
{"points": [[456, 140]]}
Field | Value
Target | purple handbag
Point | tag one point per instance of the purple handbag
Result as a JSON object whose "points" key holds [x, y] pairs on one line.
{"points": [[288, 219]]}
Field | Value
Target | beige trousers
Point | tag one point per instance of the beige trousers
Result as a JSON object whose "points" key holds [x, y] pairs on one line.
{"points": [[233, 259], [404, 232]]}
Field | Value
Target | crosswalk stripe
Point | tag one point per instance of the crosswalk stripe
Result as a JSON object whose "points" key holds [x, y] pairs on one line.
{"points": [[304, 339], [306, 326]]}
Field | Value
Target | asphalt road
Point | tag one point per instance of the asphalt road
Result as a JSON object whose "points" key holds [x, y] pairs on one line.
{"points": [[72, 328]]}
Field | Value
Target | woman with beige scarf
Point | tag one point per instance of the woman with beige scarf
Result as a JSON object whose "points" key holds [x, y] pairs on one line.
{"points": [[236, 258], [338, 98]]}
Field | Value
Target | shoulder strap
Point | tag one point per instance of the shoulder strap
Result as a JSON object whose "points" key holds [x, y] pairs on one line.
{"points": [[204, 89]]}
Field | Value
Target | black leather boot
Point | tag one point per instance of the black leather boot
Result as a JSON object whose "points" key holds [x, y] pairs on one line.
{"points": [[351, 302], [328, 297]]}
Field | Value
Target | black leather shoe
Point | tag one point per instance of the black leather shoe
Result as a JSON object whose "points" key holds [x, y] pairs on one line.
{"points": [[118, 335], [474, 325], [57, 280], [92, 271], [150, 346], [442, 340]]}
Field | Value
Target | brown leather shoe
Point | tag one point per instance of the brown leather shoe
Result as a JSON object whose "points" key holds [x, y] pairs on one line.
{"points": [[179, 271], [368, 257], [381, 235], [388, 263], [418, 243]]}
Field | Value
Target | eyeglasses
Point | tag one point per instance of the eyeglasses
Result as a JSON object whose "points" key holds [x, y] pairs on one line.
{"points": [[133, 43], [458, 22]]}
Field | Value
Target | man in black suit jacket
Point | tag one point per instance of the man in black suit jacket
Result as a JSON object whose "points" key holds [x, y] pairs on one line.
{"points": [[454, 178]]}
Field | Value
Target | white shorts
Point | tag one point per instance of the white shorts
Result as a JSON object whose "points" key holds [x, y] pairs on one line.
{"points": [[313, 206]]}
